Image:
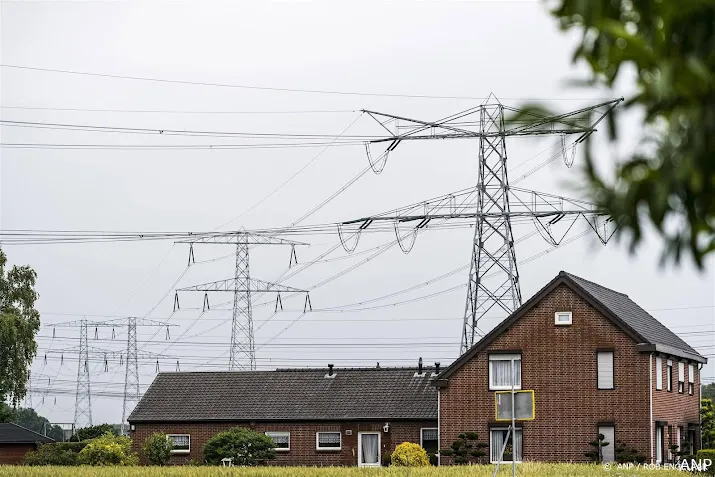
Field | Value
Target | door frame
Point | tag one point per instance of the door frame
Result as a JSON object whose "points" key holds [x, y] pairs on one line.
{"points": [[379, 449]]}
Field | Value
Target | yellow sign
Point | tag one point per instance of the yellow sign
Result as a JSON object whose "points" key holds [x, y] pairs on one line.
{"points": [[524, 407]]}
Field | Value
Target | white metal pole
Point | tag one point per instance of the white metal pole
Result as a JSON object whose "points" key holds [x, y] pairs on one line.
{"points": [[513, 421]]}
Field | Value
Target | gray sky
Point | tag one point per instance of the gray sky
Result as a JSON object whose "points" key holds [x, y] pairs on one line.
{"points": [[441, 49]]}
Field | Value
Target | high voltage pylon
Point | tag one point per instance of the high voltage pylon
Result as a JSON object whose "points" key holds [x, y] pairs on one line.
{"points": [[242, 351], [493, 202], [83, 399]]}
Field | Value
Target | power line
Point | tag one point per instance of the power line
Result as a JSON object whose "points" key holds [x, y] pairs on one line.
{"points": [[174, 111]]}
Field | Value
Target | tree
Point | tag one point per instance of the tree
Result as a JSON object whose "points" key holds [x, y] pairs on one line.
{"points": [[108, 449], [709, 391], [93, 432], [670, 181], [466, 449], [29, 419], [597, 453], [157, 449], [707, 417], [244, 446], [19, 322], [409, 454]]}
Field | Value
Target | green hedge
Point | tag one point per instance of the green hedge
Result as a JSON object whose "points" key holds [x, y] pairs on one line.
{"points": [[56, 453], [707, 454]]}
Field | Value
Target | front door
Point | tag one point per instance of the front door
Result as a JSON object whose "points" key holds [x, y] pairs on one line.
{"points": [[369, 449]]}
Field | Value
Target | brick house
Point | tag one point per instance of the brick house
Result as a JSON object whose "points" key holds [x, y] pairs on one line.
{"points": [[16, 441], [315, 416], [597, 362]]}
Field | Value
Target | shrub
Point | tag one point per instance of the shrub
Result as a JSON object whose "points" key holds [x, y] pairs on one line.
{"points": [[157, 449], [625, 454], [92, 432], [433, 460], [703, 454], [247, 447], [409, 454], [108, 449], [56, 453], [466, 449], [597, 453]]}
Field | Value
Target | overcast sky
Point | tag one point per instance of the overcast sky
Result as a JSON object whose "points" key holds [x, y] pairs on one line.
{"points": [[458, 50]]}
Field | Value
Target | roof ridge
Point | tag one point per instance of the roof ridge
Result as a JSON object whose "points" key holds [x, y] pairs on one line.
{"points": [[571, 275]]}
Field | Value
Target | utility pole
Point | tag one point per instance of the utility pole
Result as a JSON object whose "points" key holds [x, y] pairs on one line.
{"points": [[83, 398], [131, 374], [493, 281], [242, 351]]}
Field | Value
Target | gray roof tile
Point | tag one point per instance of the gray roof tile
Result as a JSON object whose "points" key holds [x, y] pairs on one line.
{"points": [[14, 434]]}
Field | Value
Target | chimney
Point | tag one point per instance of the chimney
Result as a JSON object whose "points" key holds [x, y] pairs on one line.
{"points": [[419, 366], [436, 368], [330, 370], [378, 365]]}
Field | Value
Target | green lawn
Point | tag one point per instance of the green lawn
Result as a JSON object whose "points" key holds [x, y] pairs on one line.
{"points": [[523, 470]]}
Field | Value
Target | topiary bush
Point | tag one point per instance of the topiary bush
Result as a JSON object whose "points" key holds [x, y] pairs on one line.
{"points": [[247, 447], [467, 449], [157, 449], [409, 454], [56, 453], [108, 449]]}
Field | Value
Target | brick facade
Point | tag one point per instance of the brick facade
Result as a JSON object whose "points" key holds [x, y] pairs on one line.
{"points": [[302, 438], [559, 363], [14, 454]]}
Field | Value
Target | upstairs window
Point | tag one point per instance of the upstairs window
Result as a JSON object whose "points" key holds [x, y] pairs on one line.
{"points": [[605, 370], [658, 374], [181, 443], [681, 377], [691, 379], [327, 441], [429, 439], [500, 366], [280, 439], [669, 376], [563, 318]]}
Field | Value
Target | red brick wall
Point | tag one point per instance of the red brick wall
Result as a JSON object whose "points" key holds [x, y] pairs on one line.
{"points": [[302, 438], [12, 454], [674, 408], [559, 364]]}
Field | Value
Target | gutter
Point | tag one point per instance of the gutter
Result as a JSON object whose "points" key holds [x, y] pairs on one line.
{"points": [[650, 399], [439, 431]]}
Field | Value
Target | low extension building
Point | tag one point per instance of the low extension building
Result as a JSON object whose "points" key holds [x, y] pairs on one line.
{"points": [[597, 363], [341, 417], [16, 441]]}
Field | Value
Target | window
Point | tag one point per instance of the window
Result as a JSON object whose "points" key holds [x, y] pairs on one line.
{"points": [[281, 440], [497, 436], [681, 377], [669, 377], [181, 443], [659, 445], [563, 318], [608, 453], [327, 441], [659, 374], [691, 379], [605, 370], [428, 440], [500, 371]]}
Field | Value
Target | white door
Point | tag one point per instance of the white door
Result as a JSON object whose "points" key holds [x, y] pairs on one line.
{"points": [[369, 449]]}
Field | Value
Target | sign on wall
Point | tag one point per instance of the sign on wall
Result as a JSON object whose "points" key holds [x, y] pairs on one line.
{"points": [[523, 405]]}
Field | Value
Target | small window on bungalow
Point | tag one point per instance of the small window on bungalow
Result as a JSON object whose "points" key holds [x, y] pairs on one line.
{"points": [[563, 318], [181, 443], [500, 366], [681, 377], [605, 370], [691, 379], [280, 439], [327, 440], [429, 441]]}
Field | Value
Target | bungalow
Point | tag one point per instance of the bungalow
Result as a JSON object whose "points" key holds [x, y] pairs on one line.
{"points": [[16, 441], [598, 364], [315, 416]]}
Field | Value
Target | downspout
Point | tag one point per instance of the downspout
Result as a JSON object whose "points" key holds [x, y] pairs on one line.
{"points": [[439, 431], [650, 398], [700, 405]]}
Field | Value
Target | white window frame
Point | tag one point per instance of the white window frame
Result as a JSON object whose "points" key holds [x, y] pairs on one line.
{"points": [[691, 379], [658, 373], [504, 357], [422, 430], [681, 377], [501, 429], [613, 370], [379, 448], [179, 451], [317, 441], [562, 313], [669, 376], [280, 433], [611, 443]]}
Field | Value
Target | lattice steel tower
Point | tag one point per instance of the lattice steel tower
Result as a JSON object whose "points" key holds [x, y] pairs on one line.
{"points": [[83, 398]]}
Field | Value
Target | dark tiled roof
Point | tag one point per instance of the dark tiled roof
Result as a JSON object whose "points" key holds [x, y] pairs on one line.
{"points": [[14, 434], [295, 395]]}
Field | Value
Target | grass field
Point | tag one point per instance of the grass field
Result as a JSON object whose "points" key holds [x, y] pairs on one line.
{"points": [[523, 470]]}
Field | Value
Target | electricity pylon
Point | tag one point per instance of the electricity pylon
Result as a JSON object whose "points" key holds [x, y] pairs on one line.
{"points": [[242, 351], [83, 401], [493, 200]]}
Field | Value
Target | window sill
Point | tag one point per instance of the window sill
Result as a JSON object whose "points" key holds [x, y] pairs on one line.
{"points": [[282, 449], [504, 388], [180, 451], [329, 449]]}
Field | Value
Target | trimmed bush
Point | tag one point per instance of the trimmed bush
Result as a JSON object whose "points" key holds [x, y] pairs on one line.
{"points": [[707, 454], [55, 453], [409, 454], [108, 449], [157, 449], [246, 447]]}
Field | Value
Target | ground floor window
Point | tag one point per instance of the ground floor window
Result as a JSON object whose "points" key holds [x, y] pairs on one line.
{"points": [[281, 440], [659, 445], [428, 440], [327, 441], [513, 449], [608, 453], [181, 443]]}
